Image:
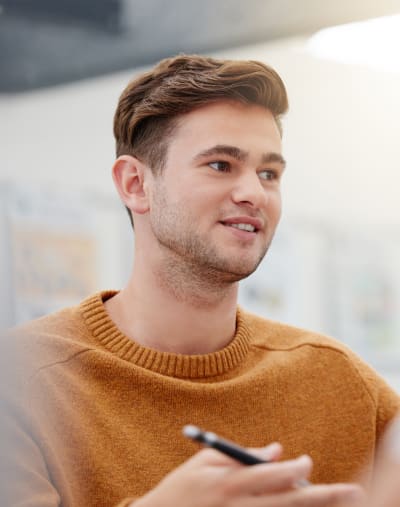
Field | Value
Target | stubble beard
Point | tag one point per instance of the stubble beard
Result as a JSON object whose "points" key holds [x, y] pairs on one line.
{"points": [[190, 259]]}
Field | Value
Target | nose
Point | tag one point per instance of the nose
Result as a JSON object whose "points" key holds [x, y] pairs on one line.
{"points": [[248, 189]]}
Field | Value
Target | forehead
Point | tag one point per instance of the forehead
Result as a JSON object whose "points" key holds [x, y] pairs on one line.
{"points": [[247, 126]]}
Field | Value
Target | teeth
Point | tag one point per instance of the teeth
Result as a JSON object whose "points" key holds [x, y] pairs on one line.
{"points": [[244, 227]]}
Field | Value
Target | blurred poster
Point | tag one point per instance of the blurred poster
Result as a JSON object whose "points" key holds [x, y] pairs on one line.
{"points": [[366, 282], [339, 282], [52, 250]]}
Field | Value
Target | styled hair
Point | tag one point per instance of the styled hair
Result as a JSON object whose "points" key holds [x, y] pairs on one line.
{"points": [[150, 106]]}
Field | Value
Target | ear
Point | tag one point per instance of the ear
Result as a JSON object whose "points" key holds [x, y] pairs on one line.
{"points": [[129, 178]]}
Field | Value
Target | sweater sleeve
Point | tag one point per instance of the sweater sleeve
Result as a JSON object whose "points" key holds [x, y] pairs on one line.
{"points": [[25, 478], [385, 399]]}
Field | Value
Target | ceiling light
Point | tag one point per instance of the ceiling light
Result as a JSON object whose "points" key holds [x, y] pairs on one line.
{"points": [[373, 43]]}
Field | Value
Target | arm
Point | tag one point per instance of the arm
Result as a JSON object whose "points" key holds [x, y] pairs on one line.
{"points": [[24, 478]]}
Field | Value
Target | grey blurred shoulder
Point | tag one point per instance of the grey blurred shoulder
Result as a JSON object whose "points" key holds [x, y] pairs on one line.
{"points": [[44, 341]]}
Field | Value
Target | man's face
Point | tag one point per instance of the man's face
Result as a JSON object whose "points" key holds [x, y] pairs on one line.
{"points": [[216, 203]]}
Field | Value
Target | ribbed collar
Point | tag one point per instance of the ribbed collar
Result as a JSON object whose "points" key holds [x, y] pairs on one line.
{"points": [[106, 333]]}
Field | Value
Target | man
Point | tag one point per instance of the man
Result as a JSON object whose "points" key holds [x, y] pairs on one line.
{"points": [[99, 393]]}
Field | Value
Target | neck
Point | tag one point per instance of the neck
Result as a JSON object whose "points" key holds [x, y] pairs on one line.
{"points": [[175, 311]]}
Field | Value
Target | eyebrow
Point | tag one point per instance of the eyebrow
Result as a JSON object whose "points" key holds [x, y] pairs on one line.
{"points": [[238, 154]]}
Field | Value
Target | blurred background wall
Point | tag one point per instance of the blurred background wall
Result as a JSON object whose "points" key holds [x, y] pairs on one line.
{"points": [[334, 264]]}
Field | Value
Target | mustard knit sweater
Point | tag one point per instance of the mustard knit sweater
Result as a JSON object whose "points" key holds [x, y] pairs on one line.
{"points": [[90, 418]]}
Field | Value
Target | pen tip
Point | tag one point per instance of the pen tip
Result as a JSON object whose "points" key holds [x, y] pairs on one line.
{"points": [[191, 431]]}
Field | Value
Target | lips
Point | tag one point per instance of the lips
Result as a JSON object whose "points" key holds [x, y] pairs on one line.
{"points": [[244, 223]]}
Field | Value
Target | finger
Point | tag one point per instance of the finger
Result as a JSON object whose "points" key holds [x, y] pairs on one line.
{"points": [[268, 478], [271, 452], [313, 496], [212, 457]]}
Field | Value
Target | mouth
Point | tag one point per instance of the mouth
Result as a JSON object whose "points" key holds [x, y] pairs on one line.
{"points": [[241, 226], [244, 224]]}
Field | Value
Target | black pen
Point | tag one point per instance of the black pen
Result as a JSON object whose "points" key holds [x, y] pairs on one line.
{"points": [[229, 448]]}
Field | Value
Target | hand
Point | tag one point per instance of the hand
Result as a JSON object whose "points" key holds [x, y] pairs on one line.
{"points": [[211, 479], [385, 489]]}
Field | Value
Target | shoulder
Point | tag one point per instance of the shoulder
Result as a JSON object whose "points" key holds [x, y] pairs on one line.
{"points": [[48, 340], [332, 357], [275, 335]]}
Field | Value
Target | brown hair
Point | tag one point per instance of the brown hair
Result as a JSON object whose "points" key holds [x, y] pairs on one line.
{"points": [[150, 105]]}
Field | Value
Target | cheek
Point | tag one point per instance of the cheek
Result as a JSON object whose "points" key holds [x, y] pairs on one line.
{"points": [[275, 206], [201, 199], [201, 210]]}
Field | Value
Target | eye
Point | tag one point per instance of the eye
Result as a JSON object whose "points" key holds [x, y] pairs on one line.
{"points": [[220, 166], [268, 174]]}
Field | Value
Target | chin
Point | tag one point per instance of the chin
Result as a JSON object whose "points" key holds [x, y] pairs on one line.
{"points": [[237, 272]]}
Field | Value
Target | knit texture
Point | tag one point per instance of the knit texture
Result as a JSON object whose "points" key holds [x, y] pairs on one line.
{"points": [[91, 418]]}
